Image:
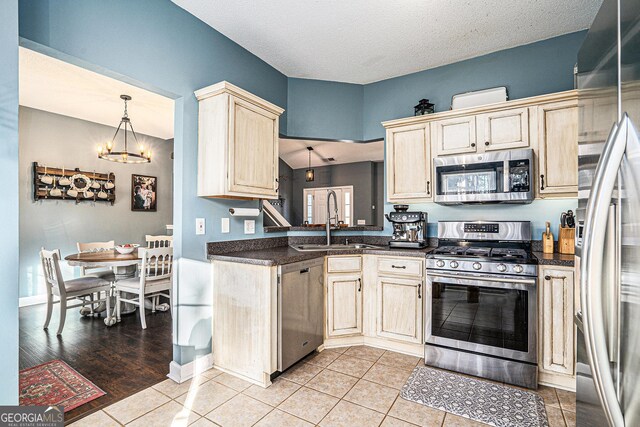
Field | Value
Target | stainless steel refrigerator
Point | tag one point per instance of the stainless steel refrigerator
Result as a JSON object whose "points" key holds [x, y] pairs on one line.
{"points": [[608, 243]]}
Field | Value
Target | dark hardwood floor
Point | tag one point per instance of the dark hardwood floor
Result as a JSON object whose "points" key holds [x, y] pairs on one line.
{"points": [[121, 360]]}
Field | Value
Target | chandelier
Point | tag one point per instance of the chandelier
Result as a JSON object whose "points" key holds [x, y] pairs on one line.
{"points": [[107, 152]]}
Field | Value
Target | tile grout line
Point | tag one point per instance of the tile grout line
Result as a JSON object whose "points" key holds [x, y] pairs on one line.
{"points": [[108, 415]]}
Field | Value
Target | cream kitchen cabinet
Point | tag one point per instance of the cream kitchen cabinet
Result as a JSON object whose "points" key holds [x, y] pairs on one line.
{"points": [[408, 164], [456, 135], [400, 304], [557, 140], [495, 130], [556, 331], [399, 298], [502, 130], [237, 143], [344, 304]]}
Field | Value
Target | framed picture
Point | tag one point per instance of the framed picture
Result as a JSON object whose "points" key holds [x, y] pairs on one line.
{"points": [[144, 193]]}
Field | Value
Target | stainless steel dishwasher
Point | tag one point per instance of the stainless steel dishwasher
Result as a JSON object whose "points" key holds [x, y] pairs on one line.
{"points": [[300, 310]]}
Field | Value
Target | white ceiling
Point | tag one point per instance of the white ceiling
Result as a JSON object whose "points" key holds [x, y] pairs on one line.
{"points": [[294, 152], [52, 85], [363, 41]]}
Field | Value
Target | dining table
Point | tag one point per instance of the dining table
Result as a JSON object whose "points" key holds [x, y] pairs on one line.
{"points": [[124, 266]]}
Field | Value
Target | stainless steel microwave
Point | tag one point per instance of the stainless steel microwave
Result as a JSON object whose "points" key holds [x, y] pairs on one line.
{"points": [[496, 177]]}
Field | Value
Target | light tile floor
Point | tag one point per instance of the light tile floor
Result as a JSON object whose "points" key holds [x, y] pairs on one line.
{"points": [[354, 386]]}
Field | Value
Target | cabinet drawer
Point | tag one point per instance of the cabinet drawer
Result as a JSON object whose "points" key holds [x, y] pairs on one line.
{"points": [[337, 264], [400, 266]]}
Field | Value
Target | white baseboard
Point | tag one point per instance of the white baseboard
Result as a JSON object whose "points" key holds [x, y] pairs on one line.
{"points": [[182, 373], [34, 300]]}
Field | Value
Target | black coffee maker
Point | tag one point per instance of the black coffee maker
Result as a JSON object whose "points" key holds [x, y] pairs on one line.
{"points": [[409, 228]]}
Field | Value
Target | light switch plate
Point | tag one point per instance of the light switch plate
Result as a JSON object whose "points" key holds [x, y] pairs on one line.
{"points": [[200, 227], [224, 225], [249, 226]]}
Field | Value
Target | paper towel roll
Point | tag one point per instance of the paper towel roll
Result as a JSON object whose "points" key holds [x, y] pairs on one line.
{"points": [[244, 212]]}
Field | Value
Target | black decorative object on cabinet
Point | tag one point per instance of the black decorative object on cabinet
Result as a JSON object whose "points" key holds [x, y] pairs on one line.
{"points": [[424, 107]]}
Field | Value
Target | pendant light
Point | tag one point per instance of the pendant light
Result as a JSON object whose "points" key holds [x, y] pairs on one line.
{"points": [[107, 152], [309, 174]]}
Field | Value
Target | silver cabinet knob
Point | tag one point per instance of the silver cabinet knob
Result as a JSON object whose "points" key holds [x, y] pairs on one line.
{"points": [[477, 266], [440, 263], [453, 264], [501, 267], [518, 268]]}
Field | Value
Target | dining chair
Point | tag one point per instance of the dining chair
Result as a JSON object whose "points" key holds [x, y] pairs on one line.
{"points": [[68, 290], [99, 271], [156, 271], [158, 241]]}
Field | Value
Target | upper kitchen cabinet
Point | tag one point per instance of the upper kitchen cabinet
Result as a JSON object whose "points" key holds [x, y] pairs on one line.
{"points": [[502, 130], [237, 143], [557, 138], [454, 136], [408, 163]]}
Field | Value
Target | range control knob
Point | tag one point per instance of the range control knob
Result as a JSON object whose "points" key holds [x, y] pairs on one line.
{"points": [[477, 266], [518, 268], [404, 217], [501, 267], [453, 264], [440, 263]]}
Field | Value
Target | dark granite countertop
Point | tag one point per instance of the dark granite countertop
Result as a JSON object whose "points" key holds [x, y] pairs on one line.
{"points": [[274, 229], [562, 260], [287, 255]]}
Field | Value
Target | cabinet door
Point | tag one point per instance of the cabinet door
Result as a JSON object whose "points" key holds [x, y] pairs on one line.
{"points": [[454, 136], [408, 163], [400, 309], [253, 149], [556, 305], [558, 148], [344, 304], [503, 130]]}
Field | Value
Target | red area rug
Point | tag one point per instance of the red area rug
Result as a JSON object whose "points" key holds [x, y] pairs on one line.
{"points": [[56, 383]]}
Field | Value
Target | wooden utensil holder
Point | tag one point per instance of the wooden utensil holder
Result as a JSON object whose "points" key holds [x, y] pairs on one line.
{"points": [[567, 240]]}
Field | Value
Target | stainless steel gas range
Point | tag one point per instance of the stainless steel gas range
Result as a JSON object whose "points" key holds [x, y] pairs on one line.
{"points": [[481, 291]]}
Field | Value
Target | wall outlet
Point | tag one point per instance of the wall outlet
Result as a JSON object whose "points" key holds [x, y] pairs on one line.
{"points": [[200, 226], [362, 222], [249, 226], [224, 225]]}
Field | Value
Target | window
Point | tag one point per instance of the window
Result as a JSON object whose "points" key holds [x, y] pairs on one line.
{"points": [[309, 215], [315, 204], [347, 207]]}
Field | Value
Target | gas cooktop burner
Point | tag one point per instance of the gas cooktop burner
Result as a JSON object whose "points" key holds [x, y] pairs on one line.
{"points": [[473, 251]]}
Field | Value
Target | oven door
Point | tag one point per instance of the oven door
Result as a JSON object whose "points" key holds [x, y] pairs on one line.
{"points": [[487, 314]]}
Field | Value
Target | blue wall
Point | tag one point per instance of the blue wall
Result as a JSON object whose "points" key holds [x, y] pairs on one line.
{"points": [[159, 46], [529, 70], [533, 69], [9, 198], [324, 109]]}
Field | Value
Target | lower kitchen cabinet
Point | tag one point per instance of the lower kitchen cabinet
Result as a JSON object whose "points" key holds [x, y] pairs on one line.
{"points": [[344, 304], [556, 332], [399, 309]]}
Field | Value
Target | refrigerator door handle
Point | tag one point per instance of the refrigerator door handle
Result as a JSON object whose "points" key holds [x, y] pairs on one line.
{"points": [[591, 271]]}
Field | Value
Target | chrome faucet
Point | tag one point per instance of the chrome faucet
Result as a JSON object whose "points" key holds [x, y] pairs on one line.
{"points": [[329, 218]]}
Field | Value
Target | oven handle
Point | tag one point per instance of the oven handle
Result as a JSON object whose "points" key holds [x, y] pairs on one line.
{"points": [[483, 279]]}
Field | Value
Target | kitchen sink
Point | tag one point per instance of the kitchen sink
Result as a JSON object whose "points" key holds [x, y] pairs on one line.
{"points": [[334, 247]]}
